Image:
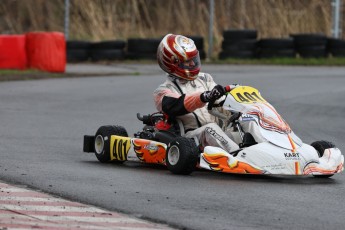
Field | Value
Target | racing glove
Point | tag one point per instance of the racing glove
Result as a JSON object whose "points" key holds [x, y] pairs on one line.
{"points": [[217, 92]]}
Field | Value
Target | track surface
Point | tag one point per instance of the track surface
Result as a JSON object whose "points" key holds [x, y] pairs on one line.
{"points": [[43, 122]]}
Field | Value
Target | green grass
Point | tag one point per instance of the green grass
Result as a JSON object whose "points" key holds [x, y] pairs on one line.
{"points": [[286, 61], [15, 75], [9, 71]]}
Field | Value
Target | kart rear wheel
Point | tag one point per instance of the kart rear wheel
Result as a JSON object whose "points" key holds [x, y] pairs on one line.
{"points": [[102, 138], [320, 147], [182, 156]]}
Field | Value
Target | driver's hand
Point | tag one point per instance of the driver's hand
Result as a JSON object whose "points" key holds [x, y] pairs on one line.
{"points": [[217, 92]]}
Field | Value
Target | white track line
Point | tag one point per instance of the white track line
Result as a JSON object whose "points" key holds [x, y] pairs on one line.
{"points": [[22, 208]]}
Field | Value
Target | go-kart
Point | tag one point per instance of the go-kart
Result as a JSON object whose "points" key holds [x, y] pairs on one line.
{"points": [[162, 141]]}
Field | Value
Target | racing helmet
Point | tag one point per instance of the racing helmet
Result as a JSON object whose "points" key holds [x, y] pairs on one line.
{"points": [[178, 56]]}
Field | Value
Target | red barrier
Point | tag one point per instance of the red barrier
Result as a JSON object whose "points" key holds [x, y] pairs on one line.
{"points": [[46, 51], [12, 52]]}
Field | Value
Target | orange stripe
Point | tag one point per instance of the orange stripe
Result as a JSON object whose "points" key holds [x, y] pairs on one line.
{"points": [[292, 144], [297, 168]]}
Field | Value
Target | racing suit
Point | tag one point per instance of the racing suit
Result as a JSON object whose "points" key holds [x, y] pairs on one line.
{"points": [[181, 99]]}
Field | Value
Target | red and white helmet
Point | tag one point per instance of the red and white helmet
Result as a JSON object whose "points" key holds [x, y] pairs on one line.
{"points": [[178, 56]]}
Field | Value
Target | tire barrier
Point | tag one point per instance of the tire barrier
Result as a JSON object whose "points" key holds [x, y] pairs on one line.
{"points": [[78, 51], [238, 44], [242, 44], [107, 50], [46, 51], [13, 52], [336, 47], [310, 45], [275, 47], [142, 48]]}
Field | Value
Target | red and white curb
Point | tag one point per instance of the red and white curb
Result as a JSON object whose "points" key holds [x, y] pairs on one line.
{"points": [[26, 209]]}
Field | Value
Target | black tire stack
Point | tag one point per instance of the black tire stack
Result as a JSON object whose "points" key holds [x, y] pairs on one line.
{"points": [[311, 45], [238, 44], [199, 43], [336, 47], [107, 50], [77, 51], [276, 47], [142, 48]]}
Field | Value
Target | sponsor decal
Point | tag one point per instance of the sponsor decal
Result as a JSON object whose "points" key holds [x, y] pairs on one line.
{"points": [[279, 166], [292, 156], [243, 155], [246, 117], [152, 148], [213, 133]]}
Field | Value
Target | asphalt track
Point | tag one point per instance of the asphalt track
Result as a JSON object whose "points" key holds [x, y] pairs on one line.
{"points": [[43, 122]]}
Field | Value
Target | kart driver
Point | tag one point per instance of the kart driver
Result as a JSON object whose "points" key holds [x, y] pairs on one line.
{"points": [[186, 91]]}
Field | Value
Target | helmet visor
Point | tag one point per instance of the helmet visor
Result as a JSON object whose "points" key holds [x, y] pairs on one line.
{"points": [[191, 64]]}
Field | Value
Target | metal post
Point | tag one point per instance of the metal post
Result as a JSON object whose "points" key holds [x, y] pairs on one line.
{"points": [[66, 19], [210, 31], [336, 30]]}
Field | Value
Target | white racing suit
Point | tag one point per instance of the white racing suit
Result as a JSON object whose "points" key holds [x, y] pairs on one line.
{"points": [[181, 99]]}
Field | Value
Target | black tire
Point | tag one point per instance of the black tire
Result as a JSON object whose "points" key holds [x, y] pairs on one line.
{"points": [[137, 55], [309, 40], [202, 54], [239, 45], [109, 45], [99, 55], [182, 156], [236, 54], [335, 43], [320, 147], [312, 51], [102, 138], [337, 52], [75, 44], [276, 43], [77, 55], [276, 53], [239, 34], [138, 45]]}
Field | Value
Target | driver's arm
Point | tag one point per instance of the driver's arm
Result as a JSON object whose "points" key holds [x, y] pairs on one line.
{"points": [[174, 104]]}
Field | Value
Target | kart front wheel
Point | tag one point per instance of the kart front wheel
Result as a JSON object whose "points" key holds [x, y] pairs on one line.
{"points": [[182, 156], [102, 139], [320, 147]]}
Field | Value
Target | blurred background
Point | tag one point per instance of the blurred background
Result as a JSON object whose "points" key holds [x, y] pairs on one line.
{"points": [[120, 19], [99, 20]]}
